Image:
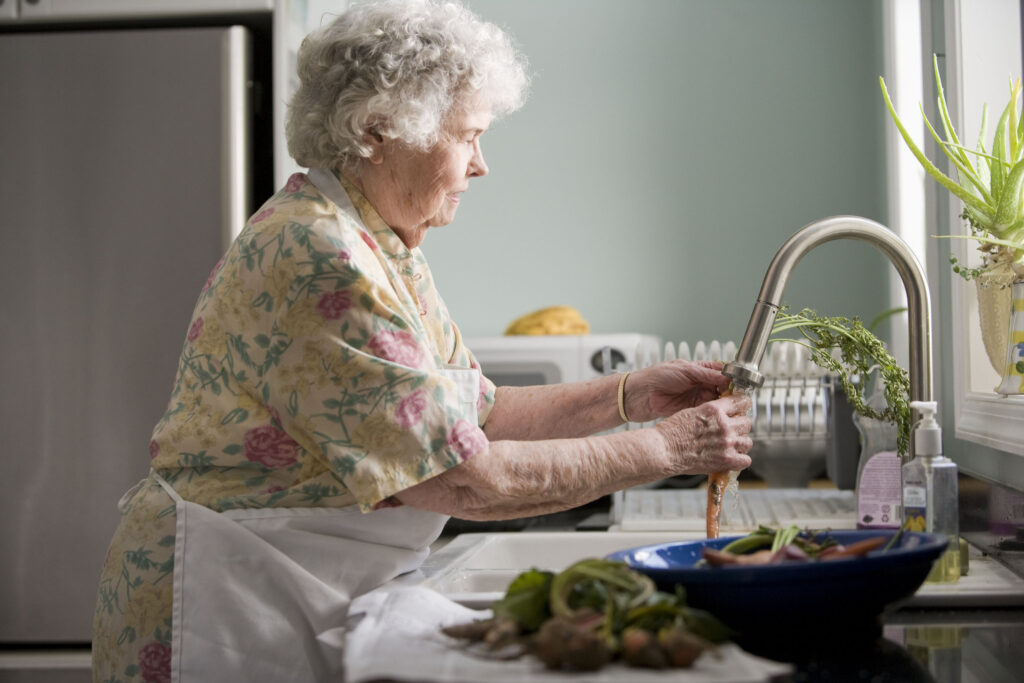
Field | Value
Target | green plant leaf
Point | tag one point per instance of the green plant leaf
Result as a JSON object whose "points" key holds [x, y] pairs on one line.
{"points": [[1009, 208], [1000, 151], [931, 169], [985, 239], [526, 599], [883, 315], [963, 165], [960, 159], [947, 123], [981, 153], [1013, 122]]}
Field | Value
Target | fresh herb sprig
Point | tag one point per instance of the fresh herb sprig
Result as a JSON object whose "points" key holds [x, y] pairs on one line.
{"points": [[859, 352]]}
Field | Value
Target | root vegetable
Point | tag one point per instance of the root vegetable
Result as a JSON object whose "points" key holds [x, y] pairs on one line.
{"points": [[474, 630], [503, 632], [641, 648], [856, 549], [563, 644], [720, 558], [681, 647], [717, 481], [598, 610]]}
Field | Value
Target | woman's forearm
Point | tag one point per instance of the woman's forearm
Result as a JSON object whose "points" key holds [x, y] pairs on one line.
{"points": [[523, 478], [554, 411], [524, 472]]}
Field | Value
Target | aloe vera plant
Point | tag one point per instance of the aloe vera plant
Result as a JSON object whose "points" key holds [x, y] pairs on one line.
{"points": [[989, 181]]}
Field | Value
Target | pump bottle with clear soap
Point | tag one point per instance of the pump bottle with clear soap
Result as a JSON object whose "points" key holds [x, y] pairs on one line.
{"points": [[930, 495]]}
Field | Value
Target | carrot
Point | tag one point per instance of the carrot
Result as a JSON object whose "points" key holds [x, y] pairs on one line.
{"points": [[718, 558], [854, 549], [717, 481]]}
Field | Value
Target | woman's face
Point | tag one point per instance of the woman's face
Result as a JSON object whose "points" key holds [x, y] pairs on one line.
{"points": [[414, 190]]}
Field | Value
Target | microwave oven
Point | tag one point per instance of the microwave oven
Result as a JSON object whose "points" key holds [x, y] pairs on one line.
{"points": [[529, 360]]}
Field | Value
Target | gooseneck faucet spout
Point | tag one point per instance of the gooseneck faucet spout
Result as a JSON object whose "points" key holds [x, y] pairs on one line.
{"points": [[744, 369]]}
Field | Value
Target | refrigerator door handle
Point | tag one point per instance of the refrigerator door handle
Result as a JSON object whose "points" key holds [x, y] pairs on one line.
{"points": [[236, 131]]}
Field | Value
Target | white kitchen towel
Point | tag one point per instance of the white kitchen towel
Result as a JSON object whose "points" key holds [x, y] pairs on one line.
{"points": [[395, 635]]}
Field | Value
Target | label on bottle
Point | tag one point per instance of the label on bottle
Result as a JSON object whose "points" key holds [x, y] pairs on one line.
{"points": [[915, 496], [878, 492], [915, 501]]}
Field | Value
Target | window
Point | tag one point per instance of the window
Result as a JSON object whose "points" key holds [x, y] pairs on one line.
{"points": [[983, 50]]}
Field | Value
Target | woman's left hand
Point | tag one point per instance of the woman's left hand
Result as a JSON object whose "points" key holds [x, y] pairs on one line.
{"points": [[666, 388]]}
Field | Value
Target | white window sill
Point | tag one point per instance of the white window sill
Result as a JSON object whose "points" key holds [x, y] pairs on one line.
{"points": [[992, 420]]}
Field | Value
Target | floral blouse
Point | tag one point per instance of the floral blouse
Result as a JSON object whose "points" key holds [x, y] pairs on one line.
{"points": [[309, 377]]}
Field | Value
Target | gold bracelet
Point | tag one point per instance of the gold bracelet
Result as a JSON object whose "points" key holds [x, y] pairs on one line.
{"points": [[622, 396]]}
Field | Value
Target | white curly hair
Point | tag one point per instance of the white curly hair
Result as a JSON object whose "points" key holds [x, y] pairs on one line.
{"points": [[400, 68]]}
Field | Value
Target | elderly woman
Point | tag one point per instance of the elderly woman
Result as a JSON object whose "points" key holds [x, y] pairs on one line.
{"points": [[327, 418]]}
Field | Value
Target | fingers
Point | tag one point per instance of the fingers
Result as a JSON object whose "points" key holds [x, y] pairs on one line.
{"points": [[734, 405], [737, 460], [702, 371], [725, 426], [709, 372], [711, 437]]}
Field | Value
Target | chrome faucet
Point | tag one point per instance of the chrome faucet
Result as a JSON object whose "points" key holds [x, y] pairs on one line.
{"points": [[744, 370]]}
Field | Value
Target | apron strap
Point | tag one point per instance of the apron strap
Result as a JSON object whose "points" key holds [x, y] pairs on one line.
{"points": [[166, 487], [332, 189]]}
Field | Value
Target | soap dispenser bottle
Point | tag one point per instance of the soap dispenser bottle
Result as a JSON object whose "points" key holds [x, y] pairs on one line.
{"points": [[879, 497], [930, 495]]}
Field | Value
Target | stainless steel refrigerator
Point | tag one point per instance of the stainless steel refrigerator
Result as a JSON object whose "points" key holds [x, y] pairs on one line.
{"points": [[126, 161]]}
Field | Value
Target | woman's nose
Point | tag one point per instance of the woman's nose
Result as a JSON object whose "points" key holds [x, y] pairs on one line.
{"points": [[477, 165]]}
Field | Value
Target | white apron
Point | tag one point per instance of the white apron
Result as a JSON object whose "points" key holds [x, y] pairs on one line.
{"points": [[262, 594]]}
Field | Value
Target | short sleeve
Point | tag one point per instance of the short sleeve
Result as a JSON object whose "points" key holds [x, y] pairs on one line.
{"points": [[463, 357], [356, 378]]}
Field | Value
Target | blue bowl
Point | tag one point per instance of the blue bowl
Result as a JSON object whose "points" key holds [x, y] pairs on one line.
{"points": [[783, 599]]}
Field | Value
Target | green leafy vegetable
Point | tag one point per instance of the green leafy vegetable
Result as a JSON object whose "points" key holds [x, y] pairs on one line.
{"points": [[785, 537], [755, 541], [896, 537], [590, 613], [859, 352], [606, 587], [793, 545], [526, 599]]}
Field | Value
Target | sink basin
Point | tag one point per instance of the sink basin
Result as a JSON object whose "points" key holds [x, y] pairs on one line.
{"points": [[475, 569]]}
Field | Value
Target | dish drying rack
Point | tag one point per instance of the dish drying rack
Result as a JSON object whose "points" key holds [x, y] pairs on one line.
{"points": [[796, 439], [790, 410]]}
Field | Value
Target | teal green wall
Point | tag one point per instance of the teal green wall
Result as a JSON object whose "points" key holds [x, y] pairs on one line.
{"points": [[667, 149]]}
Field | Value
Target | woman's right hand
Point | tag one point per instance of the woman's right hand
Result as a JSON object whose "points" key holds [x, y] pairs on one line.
{"points": [[711, 437]]}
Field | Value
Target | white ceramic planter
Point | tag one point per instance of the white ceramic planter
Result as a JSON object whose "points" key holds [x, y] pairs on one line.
{"points": [[993, 289], [1013, 366]]}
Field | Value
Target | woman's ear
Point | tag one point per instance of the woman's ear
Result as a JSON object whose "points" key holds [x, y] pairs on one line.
{"points": [[375, 142]]}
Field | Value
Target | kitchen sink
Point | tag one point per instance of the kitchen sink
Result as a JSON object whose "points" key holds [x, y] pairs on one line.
{"points": [[475, 569]]}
